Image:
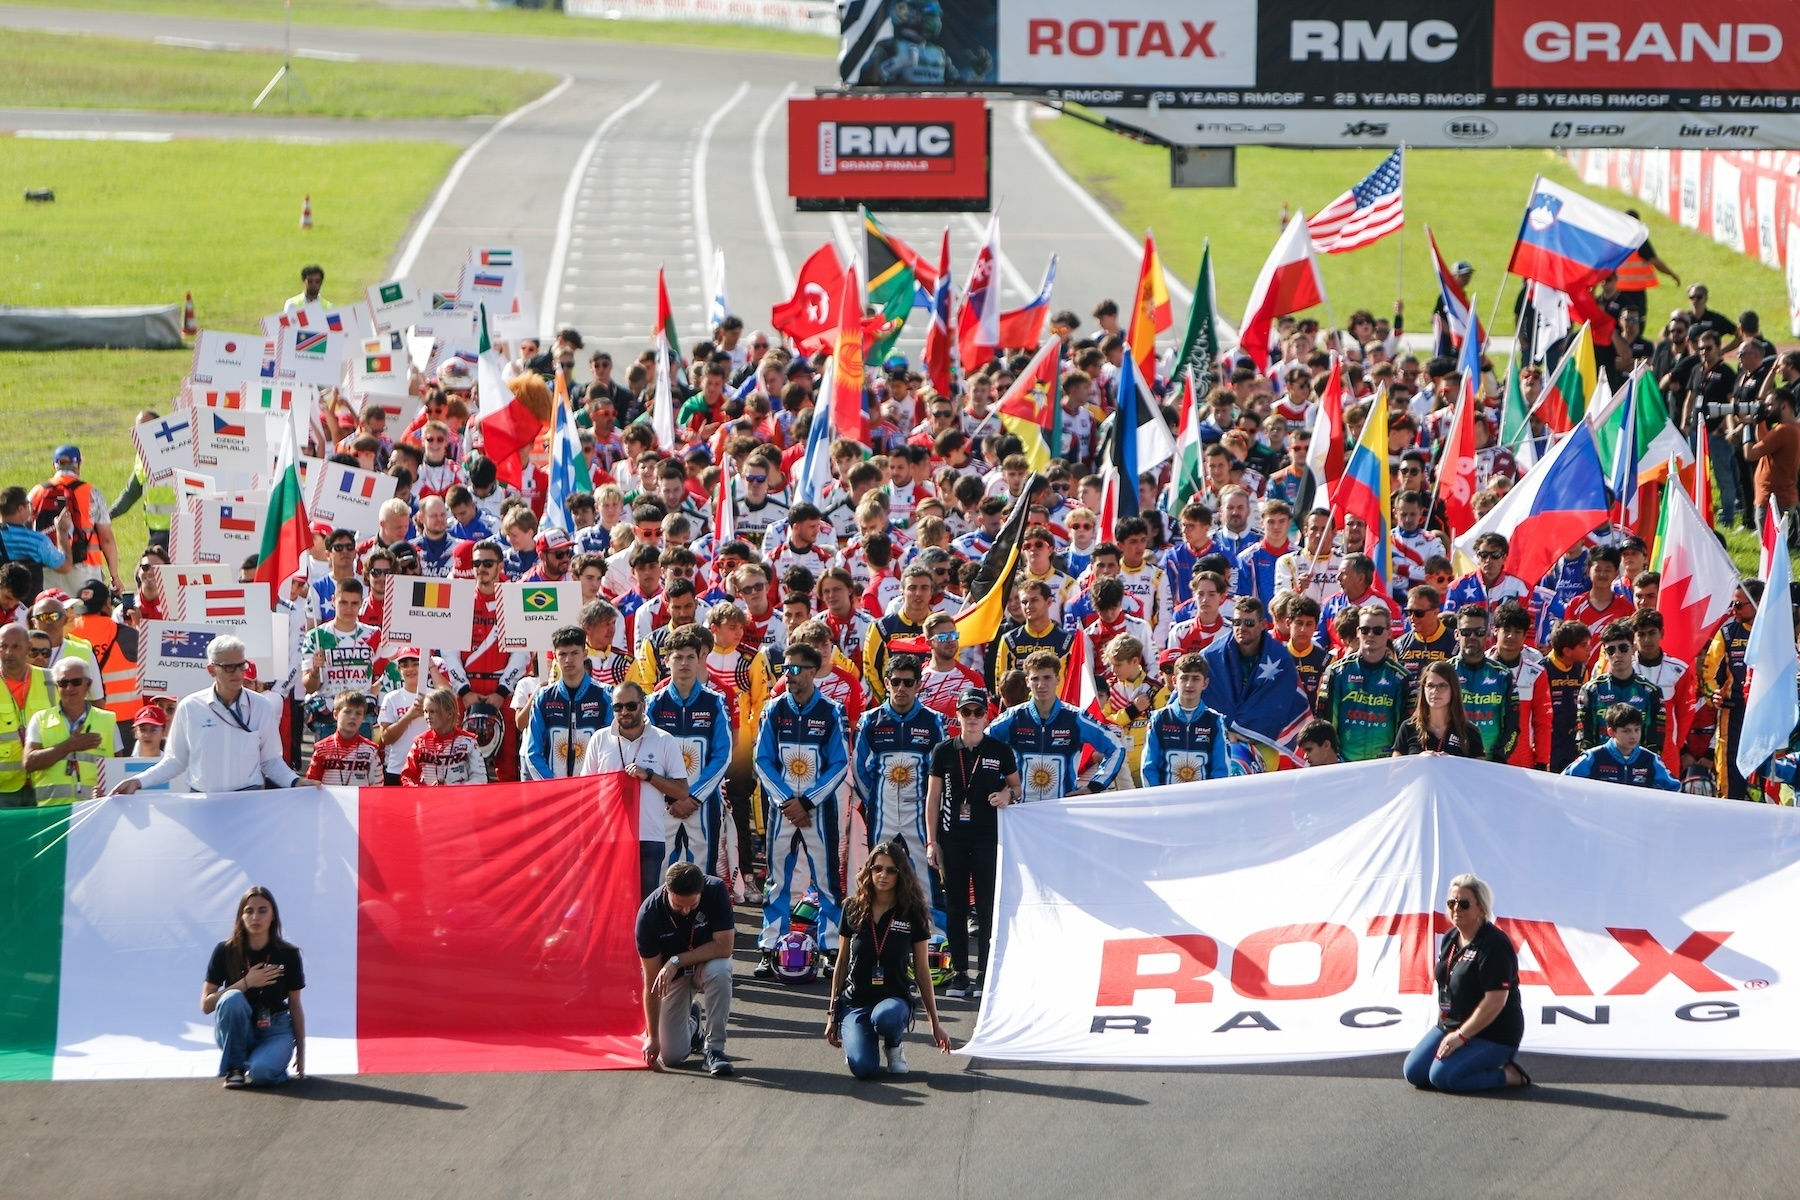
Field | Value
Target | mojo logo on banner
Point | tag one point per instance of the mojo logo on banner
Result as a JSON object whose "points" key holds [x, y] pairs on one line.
{"points": [[1269, 918]]}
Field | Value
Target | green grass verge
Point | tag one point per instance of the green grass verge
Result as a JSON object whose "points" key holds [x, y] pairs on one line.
{"points": [[47, 70], [1472, 200], [484, 19], [142, 224]]}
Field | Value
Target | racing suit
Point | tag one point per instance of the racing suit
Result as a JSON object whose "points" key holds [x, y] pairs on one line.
{"points": [[700, 723], [800, 755], [1050, 749], [561, 724]]}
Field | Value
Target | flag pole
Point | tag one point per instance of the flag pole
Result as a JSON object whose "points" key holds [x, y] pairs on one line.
{"points": [[1400, 243]]}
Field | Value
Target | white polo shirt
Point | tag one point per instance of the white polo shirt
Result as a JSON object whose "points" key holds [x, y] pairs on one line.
{"points": [[656, 751]]}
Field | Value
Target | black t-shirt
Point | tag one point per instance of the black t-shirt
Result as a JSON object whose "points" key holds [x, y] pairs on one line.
{"points": [[879, 956], [221, 970], [1466, 974], [970, 778], [1711, 385], [1722, 325], [1411, 741], [663, 933]]}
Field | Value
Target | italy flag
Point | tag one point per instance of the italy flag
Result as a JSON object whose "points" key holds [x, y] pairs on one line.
{"points": [[444, 929]]}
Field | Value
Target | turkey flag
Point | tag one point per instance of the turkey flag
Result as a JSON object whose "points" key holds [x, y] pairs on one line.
{"points": [[810, 319]]}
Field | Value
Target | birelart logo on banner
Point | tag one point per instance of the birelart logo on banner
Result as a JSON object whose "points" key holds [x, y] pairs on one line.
{"points": [[1134, 43]]}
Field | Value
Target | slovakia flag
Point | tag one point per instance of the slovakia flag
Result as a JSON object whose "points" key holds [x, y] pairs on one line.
{"points": [[1569, 242], [1548, 512]]}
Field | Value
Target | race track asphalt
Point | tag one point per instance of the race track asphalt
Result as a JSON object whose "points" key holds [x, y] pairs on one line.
{"points": [[793, 1122]]}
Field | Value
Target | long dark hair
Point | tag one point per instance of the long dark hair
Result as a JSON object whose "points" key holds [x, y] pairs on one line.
{"points": [[240, 937], [1459, 720], [909, 897]]}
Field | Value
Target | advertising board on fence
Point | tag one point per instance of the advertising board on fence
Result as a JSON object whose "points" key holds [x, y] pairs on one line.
{"points": [[1296, 915], [1314, 73]]}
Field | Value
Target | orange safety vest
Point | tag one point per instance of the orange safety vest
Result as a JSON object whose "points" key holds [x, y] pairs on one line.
{"points": [[79, 494], [118, 669], [1636, 274]]}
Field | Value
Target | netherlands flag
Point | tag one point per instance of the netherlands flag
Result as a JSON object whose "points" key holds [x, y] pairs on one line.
{"points": [[1570, 242], [1557, 503]]}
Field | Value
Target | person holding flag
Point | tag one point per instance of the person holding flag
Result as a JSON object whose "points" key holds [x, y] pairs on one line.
{"points": [[1253, 682]]}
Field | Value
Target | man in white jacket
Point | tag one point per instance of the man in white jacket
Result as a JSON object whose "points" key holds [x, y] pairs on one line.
{"points": [[224, 737]]}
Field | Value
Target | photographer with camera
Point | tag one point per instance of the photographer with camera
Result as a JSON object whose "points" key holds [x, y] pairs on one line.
{"points": [[1709, 386], [1773, 443]]}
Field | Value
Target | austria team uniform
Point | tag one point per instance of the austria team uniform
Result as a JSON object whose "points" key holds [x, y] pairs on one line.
{"points": [[437, 760], [352, 761]]}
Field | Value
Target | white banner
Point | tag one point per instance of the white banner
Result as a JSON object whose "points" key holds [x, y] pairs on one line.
{"points": [[172, 658], [1295, 916], [435, 614], [349, 498], [232, 446], [241, 609], [226, 359], [166, 444], [530, 613]]}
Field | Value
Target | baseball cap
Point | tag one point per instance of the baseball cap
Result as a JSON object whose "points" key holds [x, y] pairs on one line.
{"points": [[969, 697], [322, 529], [1462, 268], [149, 715], [552, 538], [406, 652], [66, 453], [249, 671], [799, 367], [96, 598]]}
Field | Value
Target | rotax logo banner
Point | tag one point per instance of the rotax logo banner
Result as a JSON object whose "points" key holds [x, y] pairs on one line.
{"points": [[1270, 918]]}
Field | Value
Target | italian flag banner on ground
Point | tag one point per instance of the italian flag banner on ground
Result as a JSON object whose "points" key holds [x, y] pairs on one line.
{"points": [[455, 929]]}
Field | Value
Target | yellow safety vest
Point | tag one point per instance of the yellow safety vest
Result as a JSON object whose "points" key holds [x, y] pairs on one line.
{"points": [[158, 500], [75, 777], [38, 698]]}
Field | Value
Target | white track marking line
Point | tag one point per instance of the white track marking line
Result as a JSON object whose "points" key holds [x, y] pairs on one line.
{"points": [[416, 243], [1131, 245], [565, 220], [702, 213], [765, 204]]}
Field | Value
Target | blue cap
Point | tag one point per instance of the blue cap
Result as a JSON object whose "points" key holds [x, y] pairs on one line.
{"points": [[895, 362], [69, 452]]}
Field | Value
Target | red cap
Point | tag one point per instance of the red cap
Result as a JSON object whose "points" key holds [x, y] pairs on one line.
{"points": [[149, 715]]}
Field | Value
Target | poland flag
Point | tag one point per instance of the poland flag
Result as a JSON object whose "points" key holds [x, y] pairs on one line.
{"points": [[1289, 282]]}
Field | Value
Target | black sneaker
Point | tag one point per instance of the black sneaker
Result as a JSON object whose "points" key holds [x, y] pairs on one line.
{"points": [[698, 1042], [958, 987], [717, 1065], [234, 1078], [765, 967]]}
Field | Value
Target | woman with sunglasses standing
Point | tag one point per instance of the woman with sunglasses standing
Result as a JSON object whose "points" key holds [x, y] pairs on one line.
{"points": [[885, 930], [1480, 1018]]}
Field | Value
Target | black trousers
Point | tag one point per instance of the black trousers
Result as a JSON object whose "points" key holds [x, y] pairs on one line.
{"points": [[967, 863]]}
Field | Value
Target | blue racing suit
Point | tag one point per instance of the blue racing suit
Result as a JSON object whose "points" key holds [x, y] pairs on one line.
{"points": [[891, 763], [562, 722], [800, 755], [1050, 748], [1644, 769], [701, 723], [1185, 746]]}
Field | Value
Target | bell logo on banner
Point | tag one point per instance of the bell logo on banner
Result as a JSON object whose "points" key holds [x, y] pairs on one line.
{"points": [[531, 613], [433, 614]]}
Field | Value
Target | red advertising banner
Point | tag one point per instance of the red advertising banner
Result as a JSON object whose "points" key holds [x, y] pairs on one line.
{"points": [[887, 149], [1652, 45]]}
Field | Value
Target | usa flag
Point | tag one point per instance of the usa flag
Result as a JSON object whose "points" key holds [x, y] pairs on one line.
{"points": [[1366, 213]]}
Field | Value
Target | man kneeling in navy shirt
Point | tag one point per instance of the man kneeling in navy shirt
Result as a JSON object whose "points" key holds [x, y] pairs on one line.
{"points": [[685, 933]]}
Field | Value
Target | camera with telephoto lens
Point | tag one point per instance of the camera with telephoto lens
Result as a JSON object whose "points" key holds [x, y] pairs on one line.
{"points": [[1761, 412]]}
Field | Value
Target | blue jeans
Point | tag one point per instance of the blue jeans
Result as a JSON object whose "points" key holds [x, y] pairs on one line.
{"points": [[866, 1030], [1479, 1066], [1725, 475], [264, 1053]]}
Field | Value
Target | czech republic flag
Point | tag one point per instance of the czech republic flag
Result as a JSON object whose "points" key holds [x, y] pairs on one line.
{"points": [[1556, 504], [1569, 242]]}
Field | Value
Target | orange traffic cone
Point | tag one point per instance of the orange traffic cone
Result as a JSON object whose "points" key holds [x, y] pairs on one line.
{"points": [[189, 327], [306, 212]]}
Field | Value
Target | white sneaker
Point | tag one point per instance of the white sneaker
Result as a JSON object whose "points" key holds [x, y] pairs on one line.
{"points": [[896, 1059]]}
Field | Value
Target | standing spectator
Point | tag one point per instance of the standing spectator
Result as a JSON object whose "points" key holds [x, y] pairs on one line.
{"points": [[1702, 319], [1711, 381], [1438, 724], [346, 758], [652, 758], [1619, 684], [1637, 275], [90, 543], [1186, 741], [1251, 679], [684, 941], [21, 543], [65, 745], [1555, 700], [566, 714], [1487, 687], [148, 728], [973, 776], [871, 1005], [444, 753], [224, 738], [28, 692], [397, 725], [252, 992], [1723, 680], [1363, 695], [1775, 449], [1050, 738]]}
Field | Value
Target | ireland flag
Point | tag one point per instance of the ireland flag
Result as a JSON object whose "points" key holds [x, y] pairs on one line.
{"points": [[489, 934]]}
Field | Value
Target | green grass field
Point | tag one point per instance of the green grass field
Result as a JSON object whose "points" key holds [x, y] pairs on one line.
{"points": [[142, 224], [483, 18], [1472, 199], [46, 70]]}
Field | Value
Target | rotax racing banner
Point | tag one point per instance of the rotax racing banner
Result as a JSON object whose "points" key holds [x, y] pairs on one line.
{"points": [[1618, 73], [1295, 916]]}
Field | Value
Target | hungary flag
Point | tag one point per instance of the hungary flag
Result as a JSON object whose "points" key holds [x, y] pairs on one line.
{"points": [[455, 929]]}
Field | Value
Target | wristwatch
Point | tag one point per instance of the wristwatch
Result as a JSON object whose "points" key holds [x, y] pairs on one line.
{"points": [[674, 960]]}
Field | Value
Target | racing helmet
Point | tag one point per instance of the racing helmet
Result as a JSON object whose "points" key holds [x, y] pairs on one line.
{"points": [[796, 958]]}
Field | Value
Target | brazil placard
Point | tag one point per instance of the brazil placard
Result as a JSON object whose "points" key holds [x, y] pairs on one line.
{"points": [[433, 614], [531, 613], [172, 658]]}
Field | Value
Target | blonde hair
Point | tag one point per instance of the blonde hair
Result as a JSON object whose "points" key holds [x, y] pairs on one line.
{"points": [[1484, 895]]}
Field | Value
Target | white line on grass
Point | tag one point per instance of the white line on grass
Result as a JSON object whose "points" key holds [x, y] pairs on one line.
{"points": [[703, 242], [93, 135], [435, 209], [765, 205], [565, 220]]}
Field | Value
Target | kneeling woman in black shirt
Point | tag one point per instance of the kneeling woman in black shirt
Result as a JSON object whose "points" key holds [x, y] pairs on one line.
{"points": [[1480, 1018], [252, 991], [886, 927]]}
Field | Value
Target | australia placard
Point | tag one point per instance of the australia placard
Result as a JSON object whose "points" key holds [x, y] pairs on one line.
{"points": [[172, 658]]}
